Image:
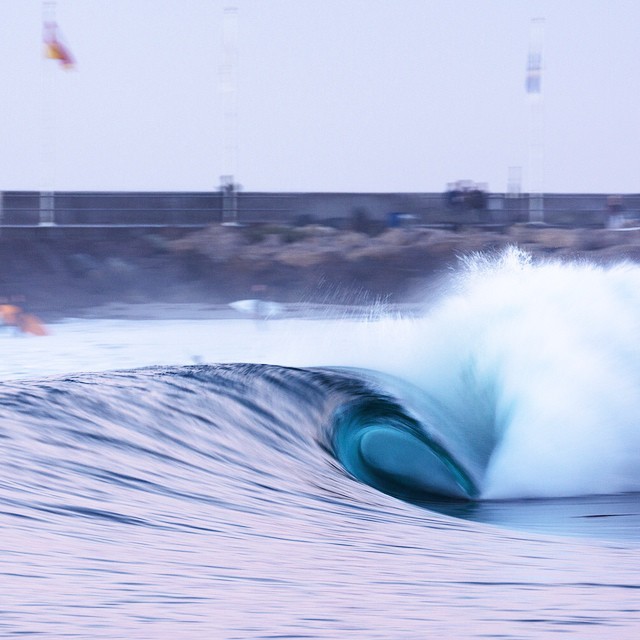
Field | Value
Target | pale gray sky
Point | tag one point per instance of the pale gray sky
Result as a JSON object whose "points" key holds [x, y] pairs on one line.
{"points": [[333, 95]]}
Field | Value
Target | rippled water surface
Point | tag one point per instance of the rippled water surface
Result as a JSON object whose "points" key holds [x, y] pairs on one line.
{"points": [[468, 473]]}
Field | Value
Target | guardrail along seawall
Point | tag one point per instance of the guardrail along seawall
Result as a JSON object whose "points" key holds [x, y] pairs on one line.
{"points": [[199, 209]]}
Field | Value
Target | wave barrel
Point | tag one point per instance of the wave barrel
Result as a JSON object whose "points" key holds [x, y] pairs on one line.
{"points": [[384, 447]]}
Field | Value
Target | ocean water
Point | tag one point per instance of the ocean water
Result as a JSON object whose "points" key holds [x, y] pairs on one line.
{"points": [[469, 471]]}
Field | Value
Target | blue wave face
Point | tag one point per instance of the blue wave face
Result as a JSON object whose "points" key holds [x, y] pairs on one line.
{"points": [[188, 448], [178, 495]]}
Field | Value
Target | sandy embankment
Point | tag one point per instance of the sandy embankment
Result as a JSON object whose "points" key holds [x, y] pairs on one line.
{"points": [[314, 264]]}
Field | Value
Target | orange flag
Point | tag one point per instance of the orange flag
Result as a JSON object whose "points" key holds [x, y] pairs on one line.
{"points": [[54, 48]]}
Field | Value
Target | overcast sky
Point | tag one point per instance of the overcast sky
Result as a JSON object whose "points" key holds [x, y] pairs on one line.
{"points": [[332, 95]]}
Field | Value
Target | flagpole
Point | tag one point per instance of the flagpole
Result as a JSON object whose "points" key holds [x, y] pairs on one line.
{"points": [[47, 192], [229, 88], [536, 122]]}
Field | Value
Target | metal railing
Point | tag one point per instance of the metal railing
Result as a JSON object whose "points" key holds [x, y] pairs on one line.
{"points": [[200, 209], [135, 209]]}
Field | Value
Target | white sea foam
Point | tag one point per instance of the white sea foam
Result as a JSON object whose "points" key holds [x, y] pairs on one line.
{"points": [[540, 366]]}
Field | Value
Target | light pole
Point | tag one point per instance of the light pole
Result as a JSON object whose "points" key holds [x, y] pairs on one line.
{"points": [[47, 192], [229, 89], [536, 122]]}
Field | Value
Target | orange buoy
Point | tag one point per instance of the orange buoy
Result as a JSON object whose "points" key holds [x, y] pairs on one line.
{"points": [[28, 323], [13, 316], [9, 314]]}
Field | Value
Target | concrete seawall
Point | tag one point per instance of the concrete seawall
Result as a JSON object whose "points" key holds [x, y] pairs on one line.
{"points": [[25, 208]]}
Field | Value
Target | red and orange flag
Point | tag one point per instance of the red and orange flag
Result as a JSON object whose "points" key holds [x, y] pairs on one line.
{"points": [[54, 47]]}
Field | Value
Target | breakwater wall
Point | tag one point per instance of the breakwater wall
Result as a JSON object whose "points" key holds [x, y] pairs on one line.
{"points": [[198, 209]]}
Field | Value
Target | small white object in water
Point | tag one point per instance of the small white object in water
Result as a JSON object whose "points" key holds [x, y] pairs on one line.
{"points": [[258, 308]]}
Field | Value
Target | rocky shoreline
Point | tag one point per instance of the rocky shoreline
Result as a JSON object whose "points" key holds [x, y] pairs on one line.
{"points": [[60, 275]]}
